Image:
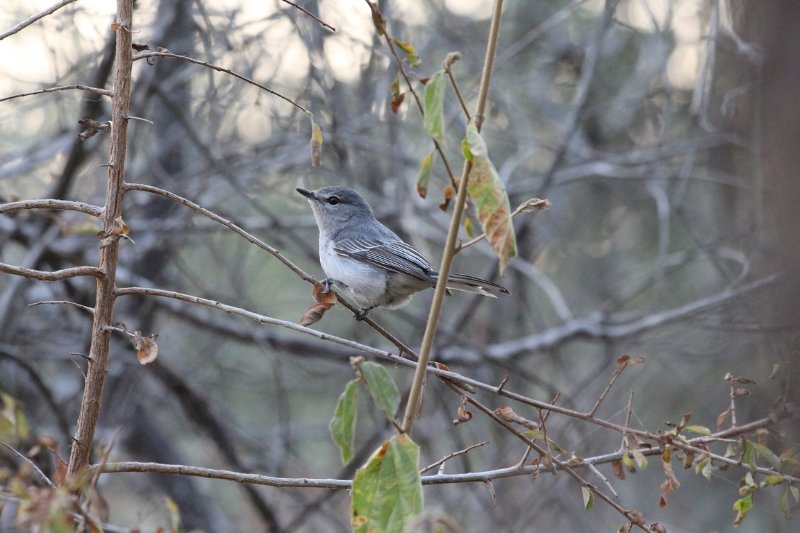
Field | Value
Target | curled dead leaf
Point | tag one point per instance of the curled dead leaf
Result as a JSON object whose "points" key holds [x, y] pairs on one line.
{"points": [[146, 347], [627, 360], [448, 194], [534, 204], [464, 414], [324, 301], [618, 469]]}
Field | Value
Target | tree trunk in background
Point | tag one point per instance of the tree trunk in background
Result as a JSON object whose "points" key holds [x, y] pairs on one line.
{"points": [[777, 102]]}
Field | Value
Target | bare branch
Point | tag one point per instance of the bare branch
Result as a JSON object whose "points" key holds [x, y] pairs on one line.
{"points": [[95, 90], [170, 55], [256, 479], [59, 205], [225, 222], [52, 276], [30, 20], [312, 15], [64, 302], [451, 455]]}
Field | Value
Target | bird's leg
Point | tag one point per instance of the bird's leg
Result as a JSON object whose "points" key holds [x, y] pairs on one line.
{"points": [[361, 315], [328, 283]]}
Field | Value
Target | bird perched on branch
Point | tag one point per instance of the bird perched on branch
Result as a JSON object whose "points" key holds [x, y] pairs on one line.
{"points": [[368, 261]]}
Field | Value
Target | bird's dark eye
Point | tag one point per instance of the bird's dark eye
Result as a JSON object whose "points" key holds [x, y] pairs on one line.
{"points": [[334, 200]]}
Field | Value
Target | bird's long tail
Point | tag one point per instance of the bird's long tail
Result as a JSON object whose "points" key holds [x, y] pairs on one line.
{"points": [[462, 282]]}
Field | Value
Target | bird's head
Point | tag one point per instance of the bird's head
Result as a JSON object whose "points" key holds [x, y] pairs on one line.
{"points": [[336, 206]]}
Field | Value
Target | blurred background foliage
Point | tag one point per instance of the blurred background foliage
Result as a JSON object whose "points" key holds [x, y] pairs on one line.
{"points": [[646, 131]]}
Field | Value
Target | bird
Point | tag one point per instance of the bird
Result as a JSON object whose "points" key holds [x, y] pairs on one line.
{"points": [[368, 262]]}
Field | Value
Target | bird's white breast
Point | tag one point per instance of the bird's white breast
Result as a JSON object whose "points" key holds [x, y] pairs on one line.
{"points": [[366, 285]]}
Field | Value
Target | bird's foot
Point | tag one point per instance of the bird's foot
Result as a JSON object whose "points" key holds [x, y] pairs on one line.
{"points": [[361, 315], [328, 283]]}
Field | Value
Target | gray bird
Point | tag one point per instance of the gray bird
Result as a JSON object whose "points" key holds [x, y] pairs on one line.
{"points": [[368, 261]]}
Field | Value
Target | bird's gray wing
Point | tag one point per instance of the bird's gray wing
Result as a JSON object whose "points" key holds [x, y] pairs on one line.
{"points": [[394, 256]]}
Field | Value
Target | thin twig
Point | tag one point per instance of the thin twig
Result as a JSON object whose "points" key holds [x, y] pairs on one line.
{"points": [[56, 275], [225, 222], [604, 479], [58, 205], [449, 61], [410, 85], [312, 15], [170, 55], [524, 207], [30, 462], [614, 376], [95, 90], [451, 455], [30, 20], [64, 302]]}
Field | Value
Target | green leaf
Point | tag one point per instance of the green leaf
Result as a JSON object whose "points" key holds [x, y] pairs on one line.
{"points": [[434, 106], [490, 199], [387, 490], [768, 455], [742, 507], [795, 493], [783, 501], [424, 175], [343, 423], [381, 387], [588, 498], [700, 430], [749, 453]]}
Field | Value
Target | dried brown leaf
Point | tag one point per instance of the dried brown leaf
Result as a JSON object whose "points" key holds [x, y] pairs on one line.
{"points": [[146, 347], [618, 469], [324, 301], [448, 193]]}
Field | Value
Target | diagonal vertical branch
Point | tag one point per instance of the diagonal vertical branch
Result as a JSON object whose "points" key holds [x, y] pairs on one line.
{"points": [[415, 394], [109, 247]]}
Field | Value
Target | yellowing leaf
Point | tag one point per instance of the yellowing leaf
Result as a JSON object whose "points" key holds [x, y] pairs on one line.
{"points": [[343, 423], [490, 199], [434, 106], [424, 175], [387, 490], [316, 144], [411, 55], [468, 227]]}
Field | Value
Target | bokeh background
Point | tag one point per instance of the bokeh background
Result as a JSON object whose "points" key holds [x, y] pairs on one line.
{"points": [[665, 136]]}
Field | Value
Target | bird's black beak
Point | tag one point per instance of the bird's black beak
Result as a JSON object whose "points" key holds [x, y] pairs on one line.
{"points": [[308, 194]]}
